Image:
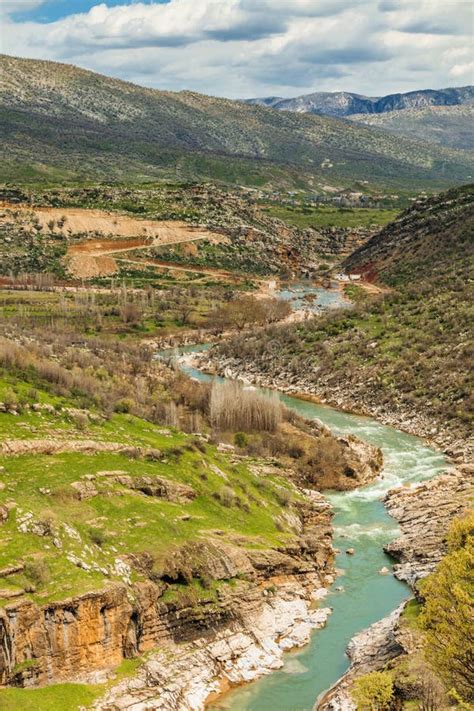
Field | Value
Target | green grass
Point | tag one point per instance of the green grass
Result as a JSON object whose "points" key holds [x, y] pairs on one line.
{"points": [[411, 613], [355, 293], [62, 697], [129, 521], [326, 216]]}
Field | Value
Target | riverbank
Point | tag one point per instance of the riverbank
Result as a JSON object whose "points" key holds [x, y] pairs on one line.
{"points": [[440, 436], [418, 550], [273, 607], [189, 676], [360, 522]]}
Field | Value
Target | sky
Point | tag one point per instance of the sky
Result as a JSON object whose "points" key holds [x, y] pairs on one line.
{"points": [[247, 48]]}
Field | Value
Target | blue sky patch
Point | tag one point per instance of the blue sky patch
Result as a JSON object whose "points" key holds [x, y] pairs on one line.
{"points": [[52, 10]]}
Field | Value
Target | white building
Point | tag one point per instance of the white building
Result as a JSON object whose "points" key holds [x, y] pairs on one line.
{"points": [[348, 277]]}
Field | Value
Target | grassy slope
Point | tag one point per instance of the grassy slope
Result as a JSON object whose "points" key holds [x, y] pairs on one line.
{"points": [[330, 216], [118, 512], [73, 697], [127, 522], [53, 114], [409, 351]]}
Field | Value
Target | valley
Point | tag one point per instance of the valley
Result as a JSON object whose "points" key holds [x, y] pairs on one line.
{"points": [[235, 399], [62, 124], [133, 469]]}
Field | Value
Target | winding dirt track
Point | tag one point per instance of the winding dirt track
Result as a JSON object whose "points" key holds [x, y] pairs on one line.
{"points": [[110, 233]]}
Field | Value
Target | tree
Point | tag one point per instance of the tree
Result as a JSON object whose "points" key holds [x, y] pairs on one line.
{"points": [[373, 691], [130, 313], [184, 311], [247, 310], [275, 310], [448, 612]]}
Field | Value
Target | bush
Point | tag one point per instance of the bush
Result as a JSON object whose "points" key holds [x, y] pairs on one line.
{"points": [[37, 571], [373, 691], [447, 613], [241, 440], [283, 497], [81, 420], [124, 405], [97, 536], [11, 400], [225, 496]]}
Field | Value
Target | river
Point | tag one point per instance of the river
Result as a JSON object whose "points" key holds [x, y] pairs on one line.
{"points": [[360, 595]]}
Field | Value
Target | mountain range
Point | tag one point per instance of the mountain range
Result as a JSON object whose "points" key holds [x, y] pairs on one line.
{"points": [[345, 103], [59, 122]]}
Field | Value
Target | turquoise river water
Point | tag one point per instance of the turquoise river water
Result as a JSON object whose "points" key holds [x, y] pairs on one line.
{"points": [[360, 522]]}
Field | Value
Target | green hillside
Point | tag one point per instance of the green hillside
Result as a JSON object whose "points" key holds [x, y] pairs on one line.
{"points": [[59, 122], [405, 354]]}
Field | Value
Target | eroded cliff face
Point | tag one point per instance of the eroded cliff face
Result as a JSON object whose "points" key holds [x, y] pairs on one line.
{"points": [[65, 640], [424, 513], [235, 636], [183, 677]]}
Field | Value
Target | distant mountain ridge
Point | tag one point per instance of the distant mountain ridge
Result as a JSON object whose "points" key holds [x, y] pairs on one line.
{"points": [[451, 126], [60, 122], [345, 103]]}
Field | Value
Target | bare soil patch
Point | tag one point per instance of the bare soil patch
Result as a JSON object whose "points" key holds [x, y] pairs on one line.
{"points": [[113, 224], [107, 233]]}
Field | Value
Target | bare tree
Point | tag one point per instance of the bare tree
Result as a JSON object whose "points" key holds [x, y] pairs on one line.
{"points": [[233, 407]]}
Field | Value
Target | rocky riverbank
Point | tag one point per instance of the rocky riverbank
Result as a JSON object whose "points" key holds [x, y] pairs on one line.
{"points": [[418, 550], [195, 647], [207, 654], [424, 513], [422, 541], [441, 436], [368, 651], [184, 677]]}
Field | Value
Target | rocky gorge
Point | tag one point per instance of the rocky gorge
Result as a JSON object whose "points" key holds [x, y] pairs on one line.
{"points": [[417, 551], [210, 595]]}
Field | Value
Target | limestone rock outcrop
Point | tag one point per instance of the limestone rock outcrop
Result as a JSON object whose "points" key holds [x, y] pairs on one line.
{"points": [[424, 512]]}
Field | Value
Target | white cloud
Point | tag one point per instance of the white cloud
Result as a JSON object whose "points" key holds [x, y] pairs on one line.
{"points": [[260, 47], [463, 70]]}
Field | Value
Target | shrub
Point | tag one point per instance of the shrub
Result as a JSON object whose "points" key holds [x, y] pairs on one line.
{"points": [[10, 399], [283, 497], [37, 571], [97, 536], [447, 613], [241, 440], [373, 691], [124, 405], [225, 496], [131, 313], [81, 420]]}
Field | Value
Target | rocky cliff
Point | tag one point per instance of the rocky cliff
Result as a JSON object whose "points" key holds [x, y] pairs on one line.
{"points": [[235, 636], [424, 513]]}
